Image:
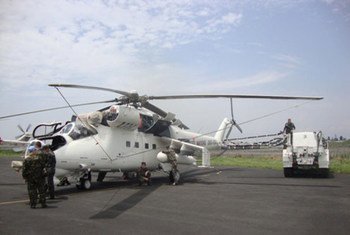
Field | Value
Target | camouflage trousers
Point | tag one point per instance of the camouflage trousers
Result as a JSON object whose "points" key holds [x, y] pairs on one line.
{"points": [[50, 185], [36, 188], [144, 178]]}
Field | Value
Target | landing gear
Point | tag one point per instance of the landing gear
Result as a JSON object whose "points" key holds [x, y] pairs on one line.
{"points": [[129, 175], [101, 176], [64, 181], [84, 181], [324, 172]]}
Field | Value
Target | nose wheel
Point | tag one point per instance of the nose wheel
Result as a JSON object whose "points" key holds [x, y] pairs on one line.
{"points": [[84, 182]]}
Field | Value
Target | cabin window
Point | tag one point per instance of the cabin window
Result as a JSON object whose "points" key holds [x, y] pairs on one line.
{"points": [[146, 146], [137, 145], [128, 144], [154, 146]]}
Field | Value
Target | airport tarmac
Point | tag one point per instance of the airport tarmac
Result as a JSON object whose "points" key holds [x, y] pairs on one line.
{"points": [[220, 200]]}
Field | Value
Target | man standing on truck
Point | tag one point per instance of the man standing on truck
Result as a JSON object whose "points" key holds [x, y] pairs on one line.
{"points": [[288, 129]]}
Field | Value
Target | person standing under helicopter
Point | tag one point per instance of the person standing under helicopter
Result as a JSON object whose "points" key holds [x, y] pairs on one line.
{"points": [[174, 173], [50, 169]]}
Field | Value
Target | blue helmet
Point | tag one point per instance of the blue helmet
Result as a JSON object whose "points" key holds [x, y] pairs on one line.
{"points": [[31, 149]]}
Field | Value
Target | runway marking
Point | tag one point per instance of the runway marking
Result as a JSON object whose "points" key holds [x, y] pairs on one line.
{"points": [[13, 202]]}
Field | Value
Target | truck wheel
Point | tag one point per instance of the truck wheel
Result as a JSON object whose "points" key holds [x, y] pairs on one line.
{"points": [[324, 172], [288, 172]]}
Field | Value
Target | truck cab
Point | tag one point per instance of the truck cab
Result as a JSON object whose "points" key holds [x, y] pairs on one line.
{"points": [[305, 151]]}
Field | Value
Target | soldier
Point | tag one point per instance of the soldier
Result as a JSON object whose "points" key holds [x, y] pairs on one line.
{"points": [[50, 169], [173, 175], [170, 153], [289, 127], [109, 115], [34, 174], [288, 130], [143, 174]]}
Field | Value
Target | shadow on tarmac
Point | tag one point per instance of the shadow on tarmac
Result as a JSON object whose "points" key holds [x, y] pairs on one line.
{"points": [[187, 177]]}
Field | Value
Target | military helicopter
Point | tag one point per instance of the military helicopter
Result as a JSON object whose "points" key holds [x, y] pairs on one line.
{"points": [[20, 142], [120, 136]]}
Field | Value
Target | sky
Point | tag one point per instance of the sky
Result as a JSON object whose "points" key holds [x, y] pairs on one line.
{"points": [[265, 47]]}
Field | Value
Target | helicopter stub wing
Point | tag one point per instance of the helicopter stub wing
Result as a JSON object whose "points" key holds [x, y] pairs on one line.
{"points": [[188, 149]]}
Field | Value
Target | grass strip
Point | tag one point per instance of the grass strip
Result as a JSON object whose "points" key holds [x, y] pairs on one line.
{"points": [[338, 164]]}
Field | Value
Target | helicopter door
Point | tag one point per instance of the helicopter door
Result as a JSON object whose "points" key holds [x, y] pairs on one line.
{"points": [[45, 130]]}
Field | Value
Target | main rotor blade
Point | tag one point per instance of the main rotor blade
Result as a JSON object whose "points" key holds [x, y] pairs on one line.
{"points": [[169, 97], [92, 88], [56, 108], [231, 109], [154, 109]]}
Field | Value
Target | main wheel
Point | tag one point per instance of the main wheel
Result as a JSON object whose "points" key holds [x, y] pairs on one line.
{"points": [[324, 172], [87, 184], [83, 184]]}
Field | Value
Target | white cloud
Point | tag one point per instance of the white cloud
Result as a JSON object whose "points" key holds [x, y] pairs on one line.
{"points": [[288, 61], [50, 40], [227, 85]]}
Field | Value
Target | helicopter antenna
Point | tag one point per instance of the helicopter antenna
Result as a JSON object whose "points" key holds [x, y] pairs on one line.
{"points": [[82, 122]]}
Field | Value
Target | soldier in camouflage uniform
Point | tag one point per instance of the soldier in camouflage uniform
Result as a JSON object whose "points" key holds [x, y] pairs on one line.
{"points": [[50, 169], [170, 153], [34, 174], [143, 174], [173, 175]]}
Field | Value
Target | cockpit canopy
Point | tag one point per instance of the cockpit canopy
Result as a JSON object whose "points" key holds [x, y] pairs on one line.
{"points": [[77, 131]]}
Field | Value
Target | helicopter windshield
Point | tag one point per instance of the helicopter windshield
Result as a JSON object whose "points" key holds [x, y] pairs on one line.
{"points": [[67, 128], [77, 131]]}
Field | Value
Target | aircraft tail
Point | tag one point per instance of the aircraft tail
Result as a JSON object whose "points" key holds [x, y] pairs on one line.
{"points": [[219, 136]]}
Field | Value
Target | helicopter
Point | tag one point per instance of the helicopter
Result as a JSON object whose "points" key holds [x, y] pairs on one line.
{"points": [[20, 142], [119, 137]]}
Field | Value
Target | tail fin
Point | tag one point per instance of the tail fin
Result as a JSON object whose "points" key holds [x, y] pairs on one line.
{"points": [[219, 136]]}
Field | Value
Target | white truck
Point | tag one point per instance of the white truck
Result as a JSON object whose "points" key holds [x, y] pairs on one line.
{"points": [[305, 151]]}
